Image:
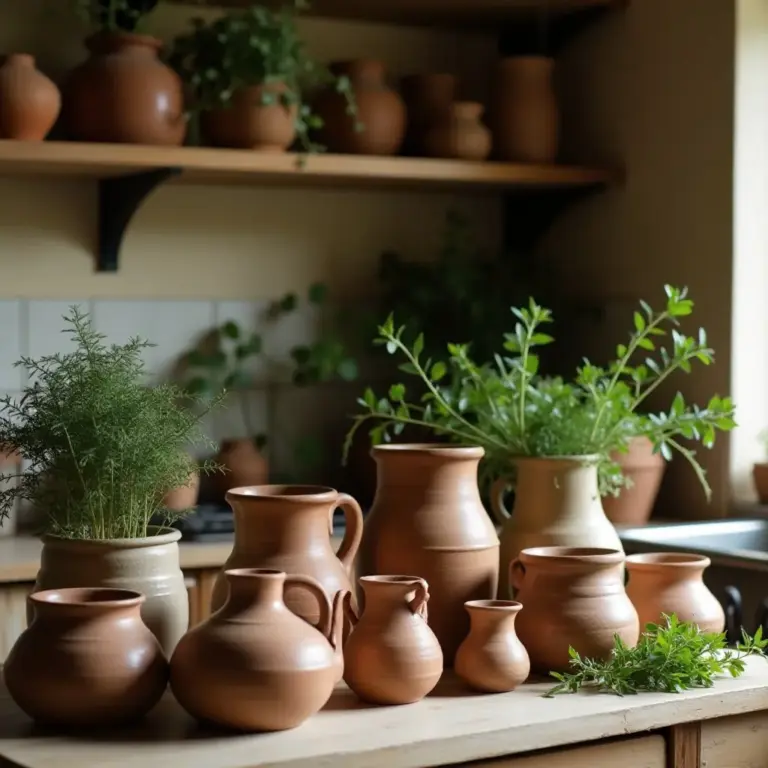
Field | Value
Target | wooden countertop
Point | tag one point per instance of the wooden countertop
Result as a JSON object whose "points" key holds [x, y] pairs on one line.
{"points": [[449, 726]]}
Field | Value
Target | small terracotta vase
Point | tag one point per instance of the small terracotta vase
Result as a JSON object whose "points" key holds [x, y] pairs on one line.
{"points": [[380, 111], [123, 93], [460, 134], [254, 665], [185, 496], [760, 477], [11, 469], [249, 123], [391, 655], [428, 99], [672, 582], [244, 465], [524, 117], [573, 597], [86, 660], [492, 659], [29, 101], [634, 504]]}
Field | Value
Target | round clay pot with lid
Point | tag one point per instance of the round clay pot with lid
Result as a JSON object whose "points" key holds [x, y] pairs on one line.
{"points": [[460, 134], [666, 583], [86, 660], [428, 99], [29, 101]]}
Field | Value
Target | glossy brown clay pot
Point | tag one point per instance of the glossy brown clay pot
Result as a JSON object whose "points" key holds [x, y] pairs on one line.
{"points": [[380, 111], [427, 519], [672, 582], [392, 656], [244, 465], [492, 659], [428, 99], [460, 134], [249, 123], [254, 665], [86, 660], [287, 527], [29, 101], [760, 477], [572, 597], [123, 93]]}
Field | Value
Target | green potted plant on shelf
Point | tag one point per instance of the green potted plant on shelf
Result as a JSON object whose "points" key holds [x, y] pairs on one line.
{"points": [[103, 449], [556, 438]]}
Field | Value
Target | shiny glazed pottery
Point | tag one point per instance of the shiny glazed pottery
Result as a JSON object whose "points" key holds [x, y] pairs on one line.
{"points": [[492, 659], [572, 596], [86, 660], [427, 519], [428, 99], [287, 527], [391, 655], [673, 582], [29, 101], [459, 134], [244, 465], [254, 665]]}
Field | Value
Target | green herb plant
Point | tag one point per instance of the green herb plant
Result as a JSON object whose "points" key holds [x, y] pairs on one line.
{"points": [[103, 448], [669, 658], [114, 15]]}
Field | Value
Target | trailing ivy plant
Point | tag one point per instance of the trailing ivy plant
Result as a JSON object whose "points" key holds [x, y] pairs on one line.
{"points": [[510, 410], [114, 15]]}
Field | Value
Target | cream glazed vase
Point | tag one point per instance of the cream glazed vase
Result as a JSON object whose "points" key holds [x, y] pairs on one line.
{"points": [[557, 504], [147, 565]]}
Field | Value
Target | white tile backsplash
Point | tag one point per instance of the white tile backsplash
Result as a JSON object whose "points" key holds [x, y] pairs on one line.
{"points": [[11, 377]]}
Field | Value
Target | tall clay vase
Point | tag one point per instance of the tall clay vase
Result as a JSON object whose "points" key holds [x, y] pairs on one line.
{"points": [[148, 565], [760, 479], [460, 134], [254, 665], [492, 659], [29, 101], [86, 660], [557, 503], [673, 583], [391, 655], [524, 116], [428, 99], [123, 93], [427, 519], [380, 112], [244, 464], [634, 504], [572, 596], [287, 527]]}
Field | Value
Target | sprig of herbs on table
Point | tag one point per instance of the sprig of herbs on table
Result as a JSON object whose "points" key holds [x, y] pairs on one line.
{"points": [[669, 658]]}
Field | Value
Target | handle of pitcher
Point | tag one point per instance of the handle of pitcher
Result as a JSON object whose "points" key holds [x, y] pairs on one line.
{"points": [[353, 529], [500, 513]]}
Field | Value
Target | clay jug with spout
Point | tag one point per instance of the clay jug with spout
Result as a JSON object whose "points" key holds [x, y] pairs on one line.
{"points": [[288, 527], [557, 504], [254, 665]]}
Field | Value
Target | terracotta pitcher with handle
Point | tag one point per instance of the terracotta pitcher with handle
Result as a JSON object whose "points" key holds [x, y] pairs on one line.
{"points": [[288, 528]]}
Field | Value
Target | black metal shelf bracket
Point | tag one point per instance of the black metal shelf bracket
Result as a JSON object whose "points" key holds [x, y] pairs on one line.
{"points": [[119, 199]]}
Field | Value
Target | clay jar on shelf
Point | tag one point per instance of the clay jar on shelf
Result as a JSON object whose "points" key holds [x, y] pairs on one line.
{"points": [[572, 597], [391, 655], [254, 665], [428, 98], [86, 660], [673, 582], [243, 462], [29, 101], [459, 134]]}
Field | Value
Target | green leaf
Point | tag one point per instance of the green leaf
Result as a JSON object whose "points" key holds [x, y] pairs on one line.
{"points": [[438, 371], [541, 339], [317, 293], [418, 345], [289, 302], [646, 343], [397, 393], [231, 330], [347, 369], [301, 355], [639, 322], [198, 386]]}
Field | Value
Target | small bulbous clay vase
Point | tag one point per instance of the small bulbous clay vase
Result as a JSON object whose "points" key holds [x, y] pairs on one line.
{"points": [[671, 582], [244, 464], [760, 479], [459, 134], [29, 101], [391, 655], [185, 496], [254, 665], [573, 596], [492, 659], [428, 99], [86, 660]]}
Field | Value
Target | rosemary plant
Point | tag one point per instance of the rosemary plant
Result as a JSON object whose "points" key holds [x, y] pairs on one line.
{"points": [[114, 15]]}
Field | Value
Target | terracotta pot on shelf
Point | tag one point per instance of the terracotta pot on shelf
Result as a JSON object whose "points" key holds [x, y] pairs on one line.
{"points": [[524, 116], [380, 112], [673, 583], [760, 478], [459, 134], [123, 93], [428, 99], [633, 505], [29, 101], [86, 660], [254, 665], [492, 659], [10, 464], [391, 655], [185, 496], [427, 519], [572, 596], [244, 465], [248, 123]]}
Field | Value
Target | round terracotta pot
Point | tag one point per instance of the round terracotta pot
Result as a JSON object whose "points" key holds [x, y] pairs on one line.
{"points": [[86, 660], [244, 465], [29, 101], [573, 596], [254, 665], [634, 504], [460, 134], [428, 99], [380, 111], [148, 565], [760, 477], [185, 496], [123, 93], [671, 582], [248, 123]]}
